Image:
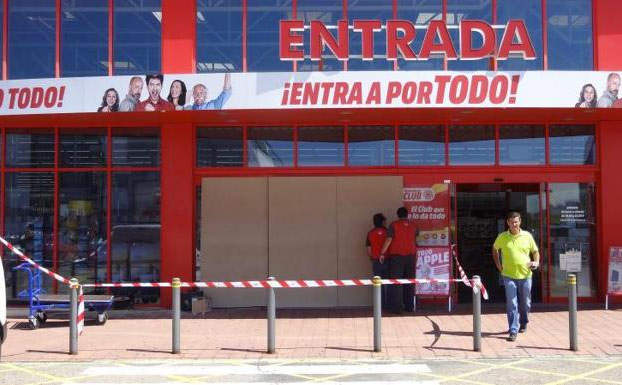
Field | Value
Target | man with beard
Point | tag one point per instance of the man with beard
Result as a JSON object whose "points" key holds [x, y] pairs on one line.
{"points": [[611, 93], [133, 95], [199, 94], [155, 102]]}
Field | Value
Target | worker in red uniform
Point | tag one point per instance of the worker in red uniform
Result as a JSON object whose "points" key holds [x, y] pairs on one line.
{"points": [[400, 245], [374, 242]]}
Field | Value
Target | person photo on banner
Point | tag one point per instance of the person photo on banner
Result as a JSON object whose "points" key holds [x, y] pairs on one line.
{"points": [[401, 257], [374, 241], [177, 94], [588, 97], [110, 101], [154, 101], [133, 95], [519, 256], [610, 95], [200, 92]]}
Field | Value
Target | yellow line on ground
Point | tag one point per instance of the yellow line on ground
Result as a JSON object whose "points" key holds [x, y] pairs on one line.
{"points": [[483, 370], [35, 373], [586, 375], [68, 379]]}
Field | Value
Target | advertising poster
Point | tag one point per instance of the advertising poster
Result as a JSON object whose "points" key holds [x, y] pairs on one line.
{"points": [[428, 209], [433, 263], [308, 90], [615, 270]]}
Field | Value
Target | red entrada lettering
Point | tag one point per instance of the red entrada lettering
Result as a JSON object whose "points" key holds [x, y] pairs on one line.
{"points": [[400, 34]]}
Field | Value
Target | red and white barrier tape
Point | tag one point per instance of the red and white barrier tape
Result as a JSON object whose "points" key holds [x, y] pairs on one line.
{"points": [[17, 251], [80, 316], [463, 275]]}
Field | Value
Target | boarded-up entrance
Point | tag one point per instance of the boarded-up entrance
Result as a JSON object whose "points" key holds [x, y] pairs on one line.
{"points": [[291, 228]]}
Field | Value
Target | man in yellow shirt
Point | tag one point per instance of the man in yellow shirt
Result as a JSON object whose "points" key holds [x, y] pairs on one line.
{"points": [[517, 250]]}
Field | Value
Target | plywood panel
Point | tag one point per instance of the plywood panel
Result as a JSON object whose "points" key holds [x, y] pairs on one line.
{"points": [[303, 237], [234, 237], [358, 199]]}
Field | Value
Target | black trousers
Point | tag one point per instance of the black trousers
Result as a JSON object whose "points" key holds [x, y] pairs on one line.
{"points": [[401, 266]]}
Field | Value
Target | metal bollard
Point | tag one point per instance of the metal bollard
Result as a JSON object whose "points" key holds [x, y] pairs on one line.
{"points": [[572, 311], [271, 317], [73, 315], [477, 314], [176, 285], [377, 313]]}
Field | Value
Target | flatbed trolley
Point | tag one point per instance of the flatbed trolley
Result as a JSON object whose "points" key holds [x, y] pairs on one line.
{"points": [[39, 302]]}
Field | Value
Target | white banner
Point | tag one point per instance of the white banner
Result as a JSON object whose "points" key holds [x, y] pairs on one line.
{"points": [[365, 89]]}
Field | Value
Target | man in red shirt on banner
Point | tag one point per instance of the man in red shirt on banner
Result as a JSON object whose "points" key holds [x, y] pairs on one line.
{"points": [[155, 102], [401, 248], [374, 242]]}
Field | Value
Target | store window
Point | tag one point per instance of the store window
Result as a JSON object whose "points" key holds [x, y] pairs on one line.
{"points": [[30, 150], [369, 10], [420, 13], [371, 146], [83, 147], [32, 39], [1, 28], [458, 10], [530, 11], [219, 36], [220, 147], [263, 35], [270, 147], [137, 36], [471, 145], [84, 38], [29, 225], [573, 237], [135, 235], [329, 12], [572, 144], [521, 144], [82, 227], [136, 148], [320, 146], [570, 42], [421, 145]]}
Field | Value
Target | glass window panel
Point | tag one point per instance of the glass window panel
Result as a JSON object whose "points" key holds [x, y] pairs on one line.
{"points": [[521, 144], [369, 10], [84, 37], [1, 27], [329, 12], [572, 144], [135, 236], [471, 145], [270, 147], [371, 146], [420, 12], [137, 36], [569, 35], [219, 36], [136, 148], [29, 219], [30, 150], [421, 145], [457, 10], [531, 12], [32, 39], [83, 149], [263, 35], [82, 227], [573, 228], [220, 147], [320, 146]]}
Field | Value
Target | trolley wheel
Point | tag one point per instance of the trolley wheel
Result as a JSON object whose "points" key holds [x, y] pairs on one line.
{"points": [[41, 316], [102, 318], [33, 323]]}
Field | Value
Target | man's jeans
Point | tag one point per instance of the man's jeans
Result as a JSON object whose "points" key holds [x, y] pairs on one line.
{"points": [[517, 301]]}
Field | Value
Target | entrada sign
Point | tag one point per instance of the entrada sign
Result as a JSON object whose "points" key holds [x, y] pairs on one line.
{"points": [[400, 35]]}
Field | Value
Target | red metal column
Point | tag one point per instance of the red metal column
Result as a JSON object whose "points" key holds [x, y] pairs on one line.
{"points": [[178, 36], [607, 26], [176, 215]]}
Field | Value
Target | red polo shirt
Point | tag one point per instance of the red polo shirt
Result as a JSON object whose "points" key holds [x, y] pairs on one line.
{"points": [[161, 105], [402, 233], [375, 240]]}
